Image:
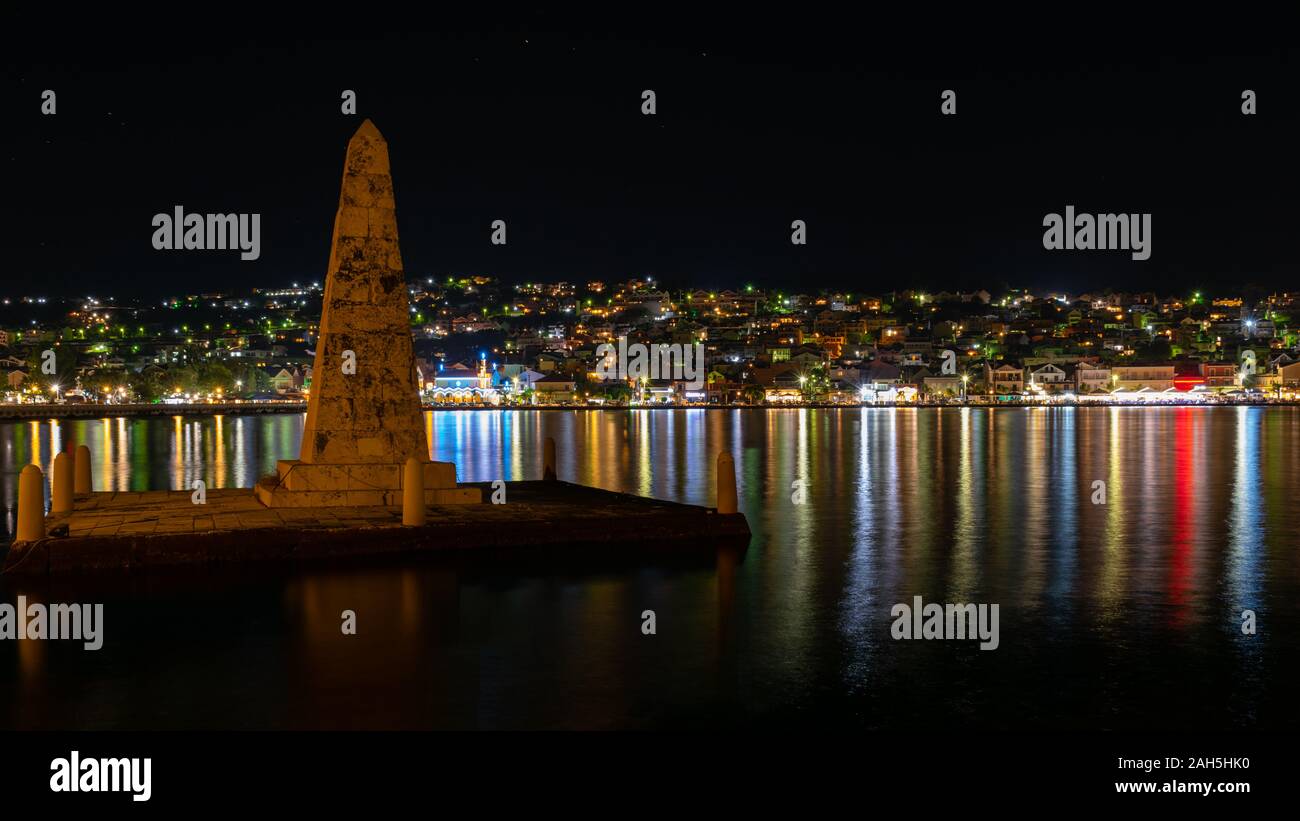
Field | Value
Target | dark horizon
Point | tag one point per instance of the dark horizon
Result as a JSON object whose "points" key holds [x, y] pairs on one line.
{"points": [[539, 124]]}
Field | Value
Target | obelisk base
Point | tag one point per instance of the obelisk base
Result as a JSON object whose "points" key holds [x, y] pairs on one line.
{"points": [[299, 484]]}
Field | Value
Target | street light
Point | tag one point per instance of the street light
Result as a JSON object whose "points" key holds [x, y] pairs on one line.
{"points": [[965, 378]]}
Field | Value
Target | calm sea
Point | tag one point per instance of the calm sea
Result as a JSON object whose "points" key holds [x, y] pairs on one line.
{"points": [[1126, 614]]}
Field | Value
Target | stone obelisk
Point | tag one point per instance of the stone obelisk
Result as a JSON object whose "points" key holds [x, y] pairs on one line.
{"points": [[363, 412]]}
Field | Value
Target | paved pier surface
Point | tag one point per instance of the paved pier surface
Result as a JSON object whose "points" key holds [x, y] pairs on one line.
{"points": [[138, 530]]}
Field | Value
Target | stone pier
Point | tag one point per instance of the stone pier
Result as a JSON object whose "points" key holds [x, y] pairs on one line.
{"points": [[549, 520]]}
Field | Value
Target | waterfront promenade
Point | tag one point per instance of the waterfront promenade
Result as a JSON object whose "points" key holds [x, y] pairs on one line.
{"points": [[96, 411]]}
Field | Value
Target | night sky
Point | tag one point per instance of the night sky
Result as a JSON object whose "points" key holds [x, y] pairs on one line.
{"points": [[538, 122]]}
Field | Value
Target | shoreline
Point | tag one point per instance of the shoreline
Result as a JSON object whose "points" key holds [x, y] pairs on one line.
{"points": [[14, 413]]}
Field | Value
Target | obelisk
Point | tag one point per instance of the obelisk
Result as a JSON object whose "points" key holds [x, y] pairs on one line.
{"points": [[364, 404], [363, 411]]}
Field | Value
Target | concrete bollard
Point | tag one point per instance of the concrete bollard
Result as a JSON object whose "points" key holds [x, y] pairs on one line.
{"points": [[727, 502], [81, 471], [61, 484], [31, 505], [548, 459], [413, 493]]}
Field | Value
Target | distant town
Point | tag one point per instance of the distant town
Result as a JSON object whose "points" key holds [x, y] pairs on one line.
{"points": [[480, 342]]}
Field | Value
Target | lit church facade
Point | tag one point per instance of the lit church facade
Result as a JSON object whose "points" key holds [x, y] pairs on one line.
{"points": [[459, 384]]}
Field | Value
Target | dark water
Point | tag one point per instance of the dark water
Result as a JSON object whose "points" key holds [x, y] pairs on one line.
{"points": [[1122, 615]]}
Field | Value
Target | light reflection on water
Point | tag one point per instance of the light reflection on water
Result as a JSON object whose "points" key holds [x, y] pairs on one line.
{"points": [[1123, 614]]}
